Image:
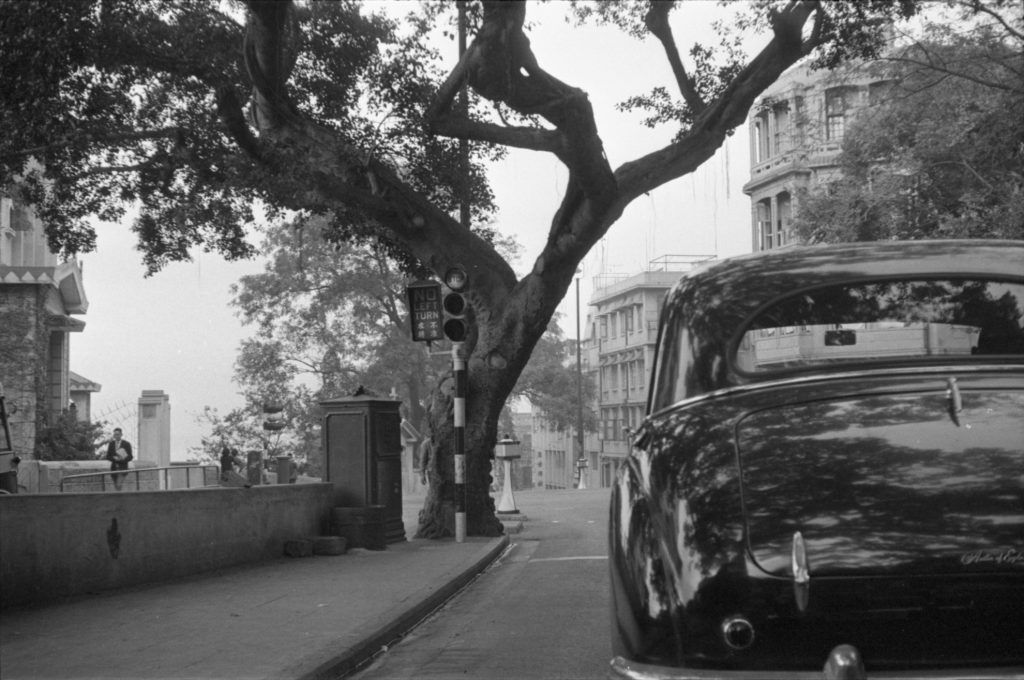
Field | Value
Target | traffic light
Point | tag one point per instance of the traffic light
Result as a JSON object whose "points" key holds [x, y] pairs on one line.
{"points": [[455, 305], [273, 417]]}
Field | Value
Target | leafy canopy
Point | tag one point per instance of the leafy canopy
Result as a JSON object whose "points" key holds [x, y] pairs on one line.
{"points": [[941, 156], [127, 102]]}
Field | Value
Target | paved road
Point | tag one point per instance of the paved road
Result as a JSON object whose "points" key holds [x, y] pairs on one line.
{"points": [[540, 612]]}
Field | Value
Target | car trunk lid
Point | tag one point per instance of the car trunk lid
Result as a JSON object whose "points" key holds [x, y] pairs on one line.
{"points": [[922, 483]]}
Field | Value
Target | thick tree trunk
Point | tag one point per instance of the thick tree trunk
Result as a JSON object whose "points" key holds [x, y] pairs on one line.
{"points": [[437, 518]]}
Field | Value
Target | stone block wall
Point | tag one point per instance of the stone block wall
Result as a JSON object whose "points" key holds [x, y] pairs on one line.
{"points": [[59, 545], [24, 343]]}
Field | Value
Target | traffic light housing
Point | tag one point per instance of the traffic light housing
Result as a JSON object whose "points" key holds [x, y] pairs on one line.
{"points": [[455, 305]]}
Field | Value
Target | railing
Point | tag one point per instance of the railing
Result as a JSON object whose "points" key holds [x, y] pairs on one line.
{"points": [[143, 479]]}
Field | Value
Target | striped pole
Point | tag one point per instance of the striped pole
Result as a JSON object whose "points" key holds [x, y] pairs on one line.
{"points": [[459, 413]]}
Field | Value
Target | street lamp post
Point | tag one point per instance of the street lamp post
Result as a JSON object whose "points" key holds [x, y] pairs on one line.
{"points": [[508, 450]]}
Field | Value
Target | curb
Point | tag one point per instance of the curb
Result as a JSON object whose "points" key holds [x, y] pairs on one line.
{"points": [[354, 657]]}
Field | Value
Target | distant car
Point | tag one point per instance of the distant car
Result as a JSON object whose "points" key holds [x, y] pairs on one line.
{"points": [[830, 475]]}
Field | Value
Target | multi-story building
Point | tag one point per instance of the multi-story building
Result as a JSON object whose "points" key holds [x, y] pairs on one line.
{"points": [[623, 330], [555, 454], [796, 133], [39, 296]]}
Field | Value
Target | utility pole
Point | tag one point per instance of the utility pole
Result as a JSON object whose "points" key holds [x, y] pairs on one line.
{"points": [[458, 348], [579, 391], [459, 417], [463, 106]]}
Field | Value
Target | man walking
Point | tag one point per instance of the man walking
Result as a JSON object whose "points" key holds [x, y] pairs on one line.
{"points": [[119, 453]]}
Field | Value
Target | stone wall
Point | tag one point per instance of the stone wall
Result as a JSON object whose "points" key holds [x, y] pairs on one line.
{"points": [[58, 545], [24, 343]]}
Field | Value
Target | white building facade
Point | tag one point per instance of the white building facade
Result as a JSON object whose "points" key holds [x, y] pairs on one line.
{"points": [[796, 135], [623, 330]]}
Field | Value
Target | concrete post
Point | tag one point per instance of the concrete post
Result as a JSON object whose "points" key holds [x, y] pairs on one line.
{"points": [[154, 437]]}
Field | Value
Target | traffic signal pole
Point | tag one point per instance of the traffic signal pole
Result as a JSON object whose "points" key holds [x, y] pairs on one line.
{"points": [[431, 317], [459, 417], [458, 348]]}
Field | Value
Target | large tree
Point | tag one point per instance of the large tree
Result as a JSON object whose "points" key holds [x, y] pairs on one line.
{"points": [[330, 318], [196, 115]]}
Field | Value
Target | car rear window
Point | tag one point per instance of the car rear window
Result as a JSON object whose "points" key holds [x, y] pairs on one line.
{"points": [[885, 320]]}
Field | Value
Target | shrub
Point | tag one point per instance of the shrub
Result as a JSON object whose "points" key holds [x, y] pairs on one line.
{"points": [[67, 438]]}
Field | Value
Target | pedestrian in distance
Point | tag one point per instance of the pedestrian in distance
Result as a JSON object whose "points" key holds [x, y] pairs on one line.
{"points": [[119, 453], [425, 455], [227, 463]]}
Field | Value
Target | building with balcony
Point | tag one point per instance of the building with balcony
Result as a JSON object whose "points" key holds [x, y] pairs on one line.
{"points": [[796, 134], [40, 298], [619, 352]]}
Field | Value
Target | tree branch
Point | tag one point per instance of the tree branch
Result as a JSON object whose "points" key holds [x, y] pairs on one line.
{"points": [[268, 60], [976, 6], [656, 21], [230, 110], [109, 170], [534, 139], [729, 110], [931, 65], [99, 138], [500, 66]]}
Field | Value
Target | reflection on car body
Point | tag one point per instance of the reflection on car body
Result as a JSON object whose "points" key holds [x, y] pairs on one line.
{"points": [[830, 477]]}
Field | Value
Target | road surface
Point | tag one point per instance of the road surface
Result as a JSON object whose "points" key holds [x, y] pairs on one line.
{"points": [[540, 612]]}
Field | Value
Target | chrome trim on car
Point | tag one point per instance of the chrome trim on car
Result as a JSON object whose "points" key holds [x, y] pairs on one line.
{"points": [[801, 574], [738, 632], [885, 372], [632, 670], [845, 663]]}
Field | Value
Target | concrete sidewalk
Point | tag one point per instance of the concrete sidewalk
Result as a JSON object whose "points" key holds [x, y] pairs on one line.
{"points": [[313, 617]]}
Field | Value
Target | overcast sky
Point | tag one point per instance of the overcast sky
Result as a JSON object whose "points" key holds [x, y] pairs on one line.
{"points": [[176, 332]]}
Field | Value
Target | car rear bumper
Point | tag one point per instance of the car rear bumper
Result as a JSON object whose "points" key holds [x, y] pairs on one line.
{"points": [[843, 664]]}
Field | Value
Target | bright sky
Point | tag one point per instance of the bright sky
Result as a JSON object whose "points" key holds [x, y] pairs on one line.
{"points": [[176, 332]]}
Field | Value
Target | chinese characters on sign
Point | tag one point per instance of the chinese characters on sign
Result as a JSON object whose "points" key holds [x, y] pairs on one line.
{"points": [[425, 310]]}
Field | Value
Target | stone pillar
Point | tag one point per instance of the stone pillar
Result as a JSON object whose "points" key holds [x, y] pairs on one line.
{"points": [[154, 439]]}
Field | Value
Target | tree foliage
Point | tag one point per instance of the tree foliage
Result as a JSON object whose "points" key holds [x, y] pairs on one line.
{"points": [[939, 157], [242, 429], [332, 317], [197, 111], [329, 317], [64, 437], [550, 382]]}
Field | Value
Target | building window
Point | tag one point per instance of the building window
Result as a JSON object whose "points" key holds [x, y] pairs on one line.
{"points": [[835, 113], [781, 113], [761, 139], [764, 226], [783, 218], [21, 217]]}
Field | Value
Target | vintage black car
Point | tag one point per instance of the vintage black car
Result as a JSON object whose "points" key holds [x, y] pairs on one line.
{"points": [[830, 475]]}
